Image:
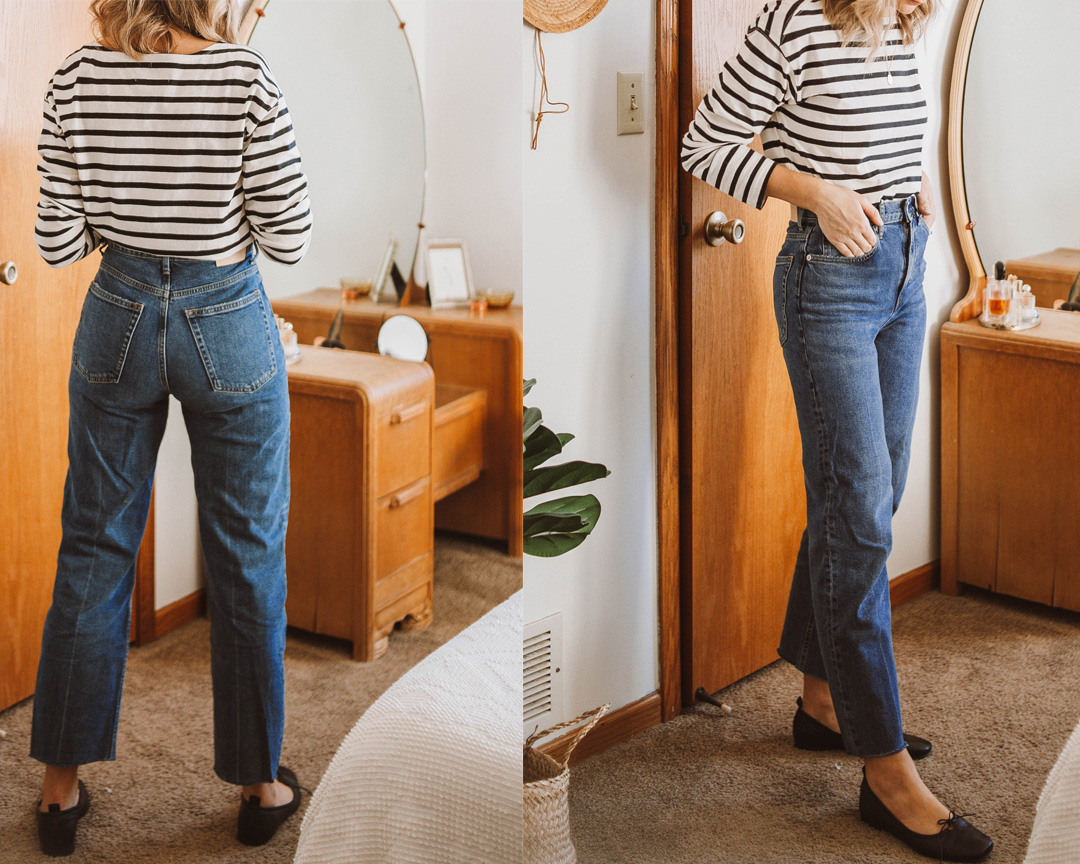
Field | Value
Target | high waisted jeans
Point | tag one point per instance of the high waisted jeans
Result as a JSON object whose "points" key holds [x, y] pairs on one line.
{"points": [[852, 331], [153, 326]]}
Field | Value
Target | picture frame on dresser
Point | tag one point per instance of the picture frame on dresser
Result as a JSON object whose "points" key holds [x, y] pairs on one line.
{"points": [[449, 274], [383, 289]]}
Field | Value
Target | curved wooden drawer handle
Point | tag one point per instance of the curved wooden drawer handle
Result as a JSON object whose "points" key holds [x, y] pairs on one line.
{"points": [[404, 497], [404, 415]]}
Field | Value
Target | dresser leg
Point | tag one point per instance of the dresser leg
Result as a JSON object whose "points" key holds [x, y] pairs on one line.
{"points": [[418, 621]]}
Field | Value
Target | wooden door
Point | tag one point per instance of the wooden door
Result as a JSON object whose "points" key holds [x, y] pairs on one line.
{"points": [[38, 316], [742, 505]]}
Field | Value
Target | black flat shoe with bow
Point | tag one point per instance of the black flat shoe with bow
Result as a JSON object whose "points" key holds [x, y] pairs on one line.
{"points": [[809, 734], [56, 828], [958, 839], [256, 824]]}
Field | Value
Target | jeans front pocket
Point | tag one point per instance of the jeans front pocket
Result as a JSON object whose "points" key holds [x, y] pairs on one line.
{"points": [[829, 254], [234, 341], [103, 337], [780, 293]]}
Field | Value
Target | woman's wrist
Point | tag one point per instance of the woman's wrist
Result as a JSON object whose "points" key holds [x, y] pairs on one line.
{"points": [[802, 190]]}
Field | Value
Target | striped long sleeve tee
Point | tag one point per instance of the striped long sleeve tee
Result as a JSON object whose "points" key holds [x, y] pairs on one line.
{"points": [[187, 155], [818, 106]]}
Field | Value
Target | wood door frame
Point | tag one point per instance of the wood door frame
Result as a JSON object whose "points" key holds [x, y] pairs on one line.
{"points": [[666, 309]]}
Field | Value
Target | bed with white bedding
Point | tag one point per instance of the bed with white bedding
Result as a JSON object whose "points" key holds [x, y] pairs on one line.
{"points": [[431, 773]]}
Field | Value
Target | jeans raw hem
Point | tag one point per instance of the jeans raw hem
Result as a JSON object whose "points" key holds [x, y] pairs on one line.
{"points": [[70, 764], [880, 755], [227, 779]]}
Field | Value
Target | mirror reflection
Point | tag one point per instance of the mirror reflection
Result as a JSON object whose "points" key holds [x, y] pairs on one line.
{"points": [[1021, 164], [347, 70]]}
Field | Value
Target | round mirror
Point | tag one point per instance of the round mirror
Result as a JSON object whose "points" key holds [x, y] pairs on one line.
{"points": [[1020, 124], [347, 71], [403, 337]]}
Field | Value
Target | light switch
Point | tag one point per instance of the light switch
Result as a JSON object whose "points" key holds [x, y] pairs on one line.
{"points": [[631, 95]]}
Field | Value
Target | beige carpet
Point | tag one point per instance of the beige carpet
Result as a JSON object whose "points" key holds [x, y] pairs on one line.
{"points": [[160, 802], [994, 683]]}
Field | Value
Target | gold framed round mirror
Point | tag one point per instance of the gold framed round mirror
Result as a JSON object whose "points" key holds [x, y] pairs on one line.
{"points": [[347, 70], [1012, 122]]}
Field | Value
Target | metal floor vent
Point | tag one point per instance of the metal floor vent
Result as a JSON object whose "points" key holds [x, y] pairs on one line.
{"points": [[542, 674]]}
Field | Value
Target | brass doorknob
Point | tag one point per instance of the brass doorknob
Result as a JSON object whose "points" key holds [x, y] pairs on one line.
{"points": [[719, 228], [8, 272]]}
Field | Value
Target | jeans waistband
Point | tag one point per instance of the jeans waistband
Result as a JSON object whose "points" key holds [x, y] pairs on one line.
{"points": [[893, 210], [111, 246]]}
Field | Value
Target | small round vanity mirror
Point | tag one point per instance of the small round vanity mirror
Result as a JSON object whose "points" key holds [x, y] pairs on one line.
{"points": [[403, 337]]}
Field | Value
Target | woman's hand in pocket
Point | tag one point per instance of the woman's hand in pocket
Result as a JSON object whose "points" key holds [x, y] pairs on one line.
{"points": [[845, 219]]}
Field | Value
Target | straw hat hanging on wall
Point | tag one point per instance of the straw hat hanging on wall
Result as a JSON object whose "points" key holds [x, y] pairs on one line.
{"points": [[561, 16]]}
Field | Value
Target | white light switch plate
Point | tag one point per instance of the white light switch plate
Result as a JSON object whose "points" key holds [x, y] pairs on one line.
{"points": [[631, 106]]}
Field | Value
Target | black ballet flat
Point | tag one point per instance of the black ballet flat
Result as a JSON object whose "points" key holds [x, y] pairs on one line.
{"points": [[56, 829], [255, 824], [809, 734], [958, 839]]}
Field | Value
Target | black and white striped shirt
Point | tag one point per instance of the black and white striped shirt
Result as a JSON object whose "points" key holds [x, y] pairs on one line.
{"points": [[819, 108], [187, 155]]}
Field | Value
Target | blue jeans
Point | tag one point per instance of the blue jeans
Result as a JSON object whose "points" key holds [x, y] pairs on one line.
{"points": [[852, 331], [153, 326]]}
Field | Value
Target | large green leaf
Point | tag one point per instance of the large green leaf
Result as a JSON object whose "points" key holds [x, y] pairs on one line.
{"points": [[531, 419], [578, 510], [552, 545], [548, 479], [541, 446], [526, 386], [585, 506], [551, 523]]}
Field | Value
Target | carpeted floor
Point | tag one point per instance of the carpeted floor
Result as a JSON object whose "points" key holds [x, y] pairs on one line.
{"points": [[994, 683], [160, 802]]}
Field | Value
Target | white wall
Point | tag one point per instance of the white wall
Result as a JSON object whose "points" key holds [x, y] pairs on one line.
{"points": [[472, 93], [588, 341]]}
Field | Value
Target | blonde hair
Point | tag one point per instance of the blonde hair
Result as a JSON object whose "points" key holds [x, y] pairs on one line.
{"points": [[139, 27], [861, 21]]}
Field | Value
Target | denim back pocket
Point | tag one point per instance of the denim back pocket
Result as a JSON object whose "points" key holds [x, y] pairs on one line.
{"points": [[234, 343], [780, 293], [103, 337]]}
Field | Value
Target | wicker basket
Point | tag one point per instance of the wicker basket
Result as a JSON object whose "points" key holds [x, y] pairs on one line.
{"points": [[546, 837]]}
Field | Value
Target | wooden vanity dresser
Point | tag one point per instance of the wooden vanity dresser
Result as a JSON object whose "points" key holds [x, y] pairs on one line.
{"points": [[477, 353], [1010, 415]]}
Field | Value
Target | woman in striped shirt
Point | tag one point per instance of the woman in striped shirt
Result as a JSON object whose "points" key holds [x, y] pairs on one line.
{"points": [[171, 148], [832, 87]]}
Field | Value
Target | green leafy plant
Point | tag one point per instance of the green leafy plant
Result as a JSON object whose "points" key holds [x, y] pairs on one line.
{"points": [[556, 526]]}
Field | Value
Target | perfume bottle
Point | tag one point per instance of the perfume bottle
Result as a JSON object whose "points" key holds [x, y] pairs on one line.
{"points": [[1027, 305], [998, 293]]}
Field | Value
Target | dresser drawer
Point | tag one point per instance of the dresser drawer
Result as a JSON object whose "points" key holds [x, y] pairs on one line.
{"points": [[402, 443], [404, 526], [458, 451], [402, 581]]}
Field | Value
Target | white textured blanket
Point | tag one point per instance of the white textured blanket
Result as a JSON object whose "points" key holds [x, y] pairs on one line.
{"points": [[1055, 837], [431, 773]]}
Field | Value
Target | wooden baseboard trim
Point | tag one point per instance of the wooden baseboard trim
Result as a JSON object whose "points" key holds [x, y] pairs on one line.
{"points": [[922, 580], [179, 613], [620, 725]]}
